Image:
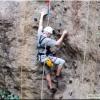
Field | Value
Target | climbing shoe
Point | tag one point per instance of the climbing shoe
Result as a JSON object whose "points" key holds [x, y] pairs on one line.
{"points": [[61, 75], [53, 90], [56, 79]]}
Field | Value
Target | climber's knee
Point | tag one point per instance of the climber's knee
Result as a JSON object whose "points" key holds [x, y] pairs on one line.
{"points": [[60, 62]]}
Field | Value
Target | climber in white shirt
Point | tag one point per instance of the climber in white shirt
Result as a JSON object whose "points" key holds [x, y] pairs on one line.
{"points": [[44, 43]]}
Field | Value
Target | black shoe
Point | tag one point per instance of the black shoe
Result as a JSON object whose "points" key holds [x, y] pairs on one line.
{"points": [[53, 90], [56, 79], [61, 76]]}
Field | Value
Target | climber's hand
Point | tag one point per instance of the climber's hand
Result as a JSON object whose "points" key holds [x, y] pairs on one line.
{"points": [[65, 32], [44, 12]]}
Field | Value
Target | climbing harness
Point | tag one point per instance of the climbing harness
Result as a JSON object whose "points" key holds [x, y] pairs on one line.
{"points": [[42, 46], [39, 54]]}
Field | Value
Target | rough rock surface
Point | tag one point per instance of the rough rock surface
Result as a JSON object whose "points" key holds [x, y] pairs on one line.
{"points": [[18, 28]]}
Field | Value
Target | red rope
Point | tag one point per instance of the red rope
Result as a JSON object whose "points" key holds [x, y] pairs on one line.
{"points": [[47, 1]]}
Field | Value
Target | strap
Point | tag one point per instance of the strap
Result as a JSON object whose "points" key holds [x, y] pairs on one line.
{"points": [[39, 56], [41, 53], [40, 40], [40, 47]]}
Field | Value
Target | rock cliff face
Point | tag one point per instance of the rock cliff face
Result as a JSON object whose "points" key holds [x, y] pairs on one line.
{"points": [[18, 30]]}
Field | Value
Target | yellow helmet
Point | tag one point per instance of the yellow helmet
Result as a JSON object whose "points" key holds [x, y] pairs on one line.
{"points": [[49, 63]]}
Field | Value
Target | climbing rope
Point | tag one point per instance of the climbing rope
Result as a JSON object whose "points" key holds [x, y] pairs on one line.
{"points": [[94, 35], [42, 79], [48, 4], [85, 42]]}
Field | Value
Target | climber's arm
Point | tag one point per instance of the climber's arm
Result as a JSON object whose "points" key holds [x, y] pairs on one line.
{"points": [[60, 40], [51, 42], [40, 23], [43, 13]]}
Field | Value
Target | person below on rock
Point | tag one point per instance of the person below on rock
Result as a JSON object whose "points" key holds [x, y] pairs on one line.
{"points": [[44, 42]]}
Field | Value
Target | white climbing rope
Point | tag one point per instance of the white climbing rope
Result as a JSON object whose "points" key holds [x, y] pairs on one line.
{"points": [[94, 23], [83, 67], [43, 77], [45, 51]]}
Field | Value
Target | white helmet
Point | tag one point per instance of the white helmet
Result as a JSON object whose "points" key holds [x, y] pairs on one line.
{"points": [[48, 29]]}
